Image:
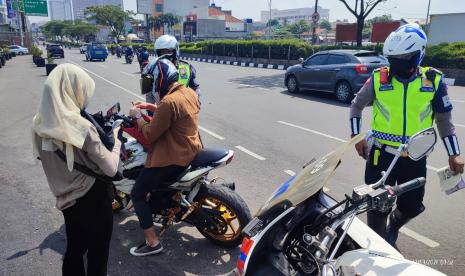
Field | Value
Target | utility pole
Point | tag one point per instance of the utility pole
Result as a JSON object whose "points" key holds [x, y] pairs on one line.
{"points": [[427, 18], [269, 20], [314, 24], [19, 18]]}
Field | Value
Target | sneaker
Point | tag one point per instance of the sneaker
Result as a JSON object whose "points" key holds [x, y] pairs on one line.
{"points": [[145, 249]]}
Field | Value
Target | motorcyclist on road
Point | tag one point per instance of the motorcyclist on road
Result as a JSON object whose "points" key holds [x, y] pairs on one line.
{"points": [[406, 99], [174, 136], [143, 56], [168, 47], [119, 51], [129, 53]]}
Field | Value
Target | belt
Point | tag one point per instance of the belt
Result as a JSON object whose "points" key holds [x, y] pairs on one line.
{"points": [[389, 149]]}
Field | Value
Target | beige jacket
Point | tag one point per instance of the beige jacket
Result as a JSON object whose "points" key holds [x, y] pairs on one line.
{"points": [[67, 186]]}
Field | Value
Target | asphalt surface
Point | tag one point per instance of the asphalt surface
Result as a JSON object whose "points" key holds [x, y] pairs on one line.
{"points": [[245, 109]]}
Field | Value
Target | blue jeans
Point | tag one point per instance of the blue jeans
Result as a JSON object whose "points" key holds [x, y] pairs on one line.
{"points": [[150, 179]]}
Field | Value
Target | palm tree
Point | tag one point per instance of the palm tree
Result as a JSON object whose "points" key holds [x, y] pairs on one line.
{"points": [[157, 22], [170, 20]]}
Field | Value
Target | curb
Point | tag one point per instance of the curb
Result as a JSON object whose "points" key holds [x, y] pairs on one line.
{"points": [[448, 81], [239, 63]]}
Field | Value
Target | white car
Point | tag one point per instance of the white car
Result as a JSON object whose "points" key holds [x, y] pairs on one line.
{"points": [[19, 50]]}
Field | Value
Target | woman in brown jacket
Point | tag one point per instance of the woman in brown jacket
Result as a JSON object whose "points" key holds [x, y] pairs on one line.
{"points": [[173, 134]]}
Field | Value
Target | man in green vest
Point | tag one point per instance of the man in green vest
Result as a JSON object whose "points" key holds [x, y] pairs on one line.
{"points": [[406, 99], [166, 46]]}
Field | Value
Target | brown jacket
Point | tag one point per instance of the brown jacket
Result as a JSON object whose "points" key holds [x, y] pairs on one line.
{"points": [[173, 131]]}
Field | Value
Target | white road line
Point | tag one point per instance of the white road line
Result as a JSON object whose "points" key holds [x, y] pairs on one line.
{"points": [[102, 65], [335, 138], [432, 168], [408, 232], [457, 101], [313, 131], [217, 136], [109, 81], [259, 157], [289, 172], [459, 125], [128, 74]]}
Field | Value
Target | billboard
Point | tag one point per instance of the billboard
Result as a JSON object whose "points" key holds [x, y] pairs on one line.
{"points": [[36, 7], [10, 10], [346, 32], [144, 6], [381, 30]]}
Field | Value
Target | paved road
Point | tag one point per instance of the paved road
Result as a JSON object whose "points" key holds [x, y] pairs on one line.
{"points": [[245, 109]]}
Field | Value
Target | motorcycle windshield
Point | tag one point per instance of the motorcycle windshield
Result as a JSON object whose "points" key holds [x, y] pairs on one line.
{"points": [[310, 180]]}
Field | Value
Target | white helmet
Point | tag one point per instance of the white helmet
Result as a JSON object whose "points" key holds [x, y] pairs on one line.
{"points": [[167, 42], [405, 42]]}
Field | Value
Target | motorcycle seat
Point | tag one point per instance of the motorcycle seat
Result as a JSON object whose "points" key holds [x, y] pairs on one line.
{"points": [[207, 156]]}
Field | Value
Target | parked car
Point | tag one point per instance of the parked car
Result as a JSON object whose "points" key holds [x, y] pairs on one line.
{"points": [[96, 50], [55, 50], [19, 50], [83, 48], [342, 72]]}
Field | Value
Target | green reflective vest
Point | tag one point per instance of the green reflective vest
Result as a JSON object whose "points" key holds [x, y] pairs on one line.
{"points": [[401, 110], [184, 70]]}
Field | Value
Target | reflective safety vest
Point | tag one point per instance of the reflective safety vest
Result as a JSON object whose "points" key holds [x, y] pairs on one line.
{"points": [[184, 70], [401, 110]]}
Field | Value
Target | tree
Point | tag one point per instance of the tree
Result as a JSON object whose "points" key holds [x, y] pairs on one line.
{"points": [[272, 23], [80, 30], [112, 16], [299, 27], [54, 28], [170, 20], [361, 10], [156, 22], [324, 24], [369, 24]]}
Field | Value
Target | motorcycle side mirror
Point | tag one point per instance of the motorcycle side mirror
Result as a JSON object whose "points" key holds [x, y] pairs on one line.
{"points": [[421, 143], [301, 60]]}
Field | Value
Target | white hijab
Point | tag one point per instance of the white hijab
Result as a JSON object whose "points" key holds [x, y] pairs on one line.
{"points": [[58, 121]]}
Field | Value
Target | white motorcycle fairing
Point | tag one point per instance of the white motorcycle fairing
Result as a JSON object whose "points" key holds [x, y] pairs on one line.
{"points": [[371, 263]]}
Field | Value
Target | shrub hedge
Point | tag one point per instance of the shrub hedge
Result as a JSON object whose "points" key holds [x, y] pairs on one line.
{"points": [[446, 55]]}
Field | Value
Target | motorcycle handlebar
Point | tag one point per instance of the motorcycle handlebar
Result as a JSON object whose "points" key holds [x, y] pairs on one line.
{"points": [[407, 186]]}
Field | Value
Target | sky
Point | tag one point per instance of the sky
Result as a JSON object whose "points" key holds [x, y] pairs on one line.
{"points": [[398, 8]]}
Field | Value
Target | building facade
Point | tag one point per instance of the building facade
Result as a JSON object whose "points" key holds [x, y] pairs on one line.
{"points": [[79, 6], [60, 9], [292, 16], [446, 28]]}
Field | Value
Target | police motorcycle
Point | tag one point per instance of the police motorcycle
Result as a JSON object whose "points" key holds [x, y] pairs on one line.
{"points": [[301, 230], [210, 205]]}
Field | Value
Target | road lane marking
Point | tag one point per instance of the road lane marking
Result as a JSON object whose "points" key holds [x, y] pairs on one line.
{"points": [[457, 101], [459, 125], [335, 138], [259, 157], [217, 136], [128, 74], [109, 81], [102, 65], [312, 131], [428, 242], [289, 172]]}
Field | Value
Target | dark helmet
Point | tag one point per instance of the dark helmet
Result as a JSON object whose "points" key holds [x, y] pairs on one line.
{"points": [[164, 74]]}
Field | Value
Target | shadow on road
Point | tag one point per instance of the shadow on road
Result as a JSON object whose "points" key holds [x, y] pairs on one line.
{"points": [[56, 241], [261, 81], [316, 96]]}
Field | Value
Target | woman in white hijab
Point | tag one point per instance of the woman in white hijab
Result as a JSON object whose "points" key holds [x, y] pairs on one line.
{"points": [[84, 200]]}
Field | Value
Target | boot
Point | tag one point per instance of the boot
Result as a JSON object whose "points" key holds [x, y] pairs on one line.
{"points": [[396, 221], [377, 221]]}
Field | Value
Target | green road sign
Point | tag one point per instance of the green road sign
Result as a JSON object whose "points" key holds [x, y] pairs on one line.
{"points": [[35, 7]]}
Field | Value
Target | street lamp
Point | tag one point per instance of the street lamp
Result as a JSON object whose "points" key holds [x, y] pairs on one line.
{"points": [[427, 18], [269, 19]]}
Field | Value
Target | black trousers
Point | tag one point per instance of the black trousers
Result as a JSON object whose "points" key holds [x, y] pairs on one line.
{"points": [[410, 203], [89, 224], [150, 179]]}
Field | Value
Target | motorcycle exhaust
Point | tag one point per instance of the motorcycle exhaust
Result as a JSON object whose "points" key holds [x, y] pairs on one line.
{"points": [[230, 185]]}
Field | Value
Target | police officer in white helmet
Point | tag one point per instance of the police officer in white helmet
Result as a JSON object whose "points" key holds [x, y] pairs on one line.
{"points": [[166, 46]]}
